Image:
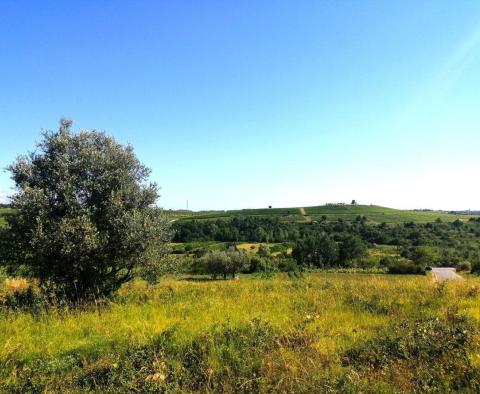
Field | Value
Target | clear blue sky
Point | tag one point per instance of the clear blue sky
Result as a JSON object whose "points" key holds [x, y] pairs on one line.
{"points": [[238, 104]]}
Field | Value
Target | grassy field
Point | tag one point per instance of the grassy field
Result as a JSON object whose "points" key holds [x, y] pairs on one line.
{"points": [[320, 333], [334, 212]]}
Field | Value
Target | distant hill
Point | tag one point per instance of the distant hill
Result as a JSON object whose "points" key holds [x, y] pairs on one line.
{"points": [[332, 212]]}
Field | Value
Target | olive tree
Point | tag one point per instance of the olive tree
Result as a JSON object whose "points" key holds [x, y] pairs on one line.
{"points": [[85, 217], [225, 263]]}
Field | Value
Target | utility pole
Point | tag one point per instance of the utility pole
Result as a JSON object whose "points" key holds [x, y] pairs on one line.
{"points": [[187, 205]]}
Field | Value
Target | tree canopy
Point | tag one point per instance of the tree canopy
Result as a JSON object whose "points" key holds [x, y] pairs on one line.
{"points": [[85, 215]]}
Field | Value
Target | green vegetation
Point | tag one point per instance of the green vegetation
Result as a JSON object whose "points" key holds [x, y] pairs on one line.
{"points": [[411, 246], [325, 332], [4, 212], [378, 214], [85, 221], [309, 307], [331, 212]]}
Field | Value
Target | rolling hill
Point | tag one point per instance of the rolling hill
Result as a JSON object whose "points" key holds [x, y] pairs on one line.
{"points": [[332, 212]]}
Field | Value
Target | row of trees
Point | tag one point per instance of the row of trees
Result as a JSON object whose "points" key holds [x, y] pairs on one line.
{"points": [[239, 228], [321, 250], [453, 242]]}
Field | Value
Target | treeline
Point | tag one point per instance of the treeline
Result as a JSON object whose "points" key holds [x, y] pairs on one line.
{"points": [[440, 243], [237, 229]]}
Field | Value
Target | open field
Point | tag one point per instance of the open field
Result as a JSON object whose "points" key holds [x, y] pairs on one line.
{"points": [[320, 333], [334, 212]]}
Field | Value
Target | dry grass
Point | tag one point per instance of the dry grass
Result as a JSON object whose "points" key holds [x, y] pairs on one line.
{"points": [[313, 321]]}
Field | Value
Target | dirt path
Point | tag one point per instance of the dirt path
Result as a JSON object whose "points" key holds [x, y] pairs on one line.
{"points": [[304, 214], [441, 274]]}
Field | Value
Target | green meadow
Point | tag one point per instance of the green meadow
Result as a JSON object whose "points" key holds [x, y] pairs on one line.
{"points": [[321, 332]]}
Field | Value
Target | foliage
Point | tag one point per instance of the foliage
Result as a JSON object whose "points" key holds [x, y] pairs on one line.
{"points": [[464, 266], [224, 263], [334, 212], [319, 250], [351, 248], [402, 266], [323, 251], [241, 228], [434, 351], [85, 219], [439, 243]]}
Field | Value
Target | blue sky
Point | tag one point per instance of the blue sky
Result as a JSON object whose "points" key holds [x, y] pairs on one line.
{"points": [[255, 103]]}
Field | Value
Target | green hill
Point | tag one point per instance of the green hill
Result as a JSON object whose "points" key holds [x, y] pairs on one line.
{"points": [[334, 212]]}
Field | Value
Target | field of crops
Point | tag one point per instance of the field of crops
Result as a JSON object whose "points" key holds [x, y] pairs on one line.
{"points": [[320, 333], [334, 212], [379, 214], [284, 214]]}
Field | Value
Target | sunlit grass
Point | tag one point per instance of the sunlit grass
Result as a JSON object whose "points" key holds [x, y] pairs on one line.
{"points": [[336, 310]]}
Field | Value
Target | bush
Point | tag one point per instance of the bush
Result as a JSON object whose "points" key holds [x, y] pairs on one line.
{"points": [[263, 264], [475, 267], [367, 263], [264, 251], [223, 263], [464, 266], [291, 267], [404, 267], [433, 354], [21, 294]]}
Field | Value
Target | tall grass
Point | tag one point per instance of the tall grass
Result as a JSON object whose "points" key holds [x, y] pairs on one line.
{"points": [[279, 335]]}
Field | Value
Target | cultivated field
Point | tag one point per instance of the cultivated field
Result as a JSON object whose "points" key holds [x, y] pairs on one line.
{"points": [[332, 212], [373, 213], [3, 212], [320, 333]]}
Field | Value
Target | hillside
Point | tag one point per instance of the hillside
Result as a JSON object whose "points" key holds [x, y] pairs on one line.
{"points": [[373, 213], [332, 212]]}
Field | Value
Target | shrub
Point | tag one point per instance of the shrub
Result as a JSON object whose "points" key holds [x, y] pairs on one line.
{"points": [[262, 264], [464, 266], [225, 263], [433, 354], [367, 263], [404, 266], [21, 294], [476, 267], [264, 251]]}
